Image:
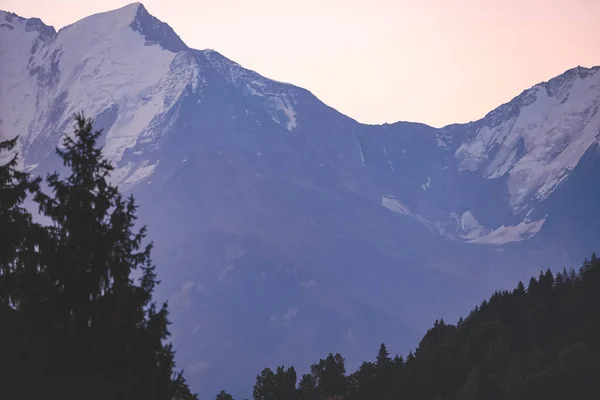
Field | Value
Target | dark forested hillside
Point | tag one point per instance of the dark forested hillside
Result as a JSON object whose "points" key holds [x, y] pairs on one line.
{"points": [[538, 341]]}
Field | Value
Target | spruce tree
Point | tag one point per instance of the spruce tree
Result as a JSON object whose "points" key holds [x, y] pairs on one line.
{"points": [[384, 373], [91, 331]]}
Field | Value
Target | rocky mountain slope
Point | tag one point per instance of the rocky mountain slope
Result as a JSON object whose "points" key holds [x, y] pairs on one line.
{"points": [[285, 230]]}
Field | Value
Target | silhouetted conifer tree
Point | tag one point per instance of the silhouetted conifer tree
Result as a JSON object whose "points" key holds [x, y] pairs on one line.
{"points": [[94, 332]]}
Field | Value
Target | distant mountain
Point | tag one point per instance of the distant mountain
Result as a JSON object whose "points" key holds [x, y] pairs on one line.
{"points": [[285, 230]]}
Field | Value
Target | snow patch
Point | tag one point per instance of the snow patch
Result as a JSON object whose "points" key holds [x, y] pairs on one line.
{"points": [[253, 92], [394, 205], [360, 151], [142, 172], [469, 226], [285, 106], [476, 233], [427, 184], [511, 234], [31, 167]]}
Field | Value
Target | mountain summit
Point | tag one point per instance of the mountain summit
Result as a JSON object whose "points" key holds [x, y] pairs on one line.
{"points": [[284, 229]]}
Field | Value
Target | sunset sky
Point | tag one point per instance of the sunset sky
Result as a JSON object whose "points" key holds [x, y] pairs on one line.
{"points": [[431, 61]]}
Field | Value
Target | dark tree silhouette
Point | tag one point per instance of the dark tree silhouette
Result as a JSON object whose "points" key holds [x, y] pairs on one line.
{"points": [[77, 317]]}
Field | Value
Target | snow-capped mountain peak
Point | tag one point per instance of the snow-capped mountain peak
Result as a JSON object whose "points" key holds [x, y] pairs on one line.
{"points": [[125, 68], [539, 137], [116, 65]]}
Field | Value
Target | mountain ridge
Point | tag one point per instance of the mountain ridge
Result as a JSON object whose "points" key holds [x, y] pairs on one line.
{"points": [[142, 11]]}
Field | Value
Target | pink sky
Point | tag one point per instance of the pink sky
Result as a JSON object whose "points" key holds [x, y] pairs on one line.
{"points": [[431, 61]]}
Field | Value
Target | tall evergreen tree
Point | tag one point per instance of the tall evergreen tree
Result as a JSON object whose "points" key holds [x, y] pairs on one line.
{"points": [[384, 373], [383, 357], [97, 331]]}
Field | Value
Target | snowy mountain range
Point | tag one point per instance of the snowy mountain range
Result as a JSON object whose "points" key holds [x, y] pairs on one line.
{"points": [[284, 229]]}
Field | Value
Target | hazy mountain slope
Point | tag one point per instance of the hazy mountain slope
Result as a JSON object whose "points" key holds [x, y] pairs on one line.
{"points": [[285, 229]]}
